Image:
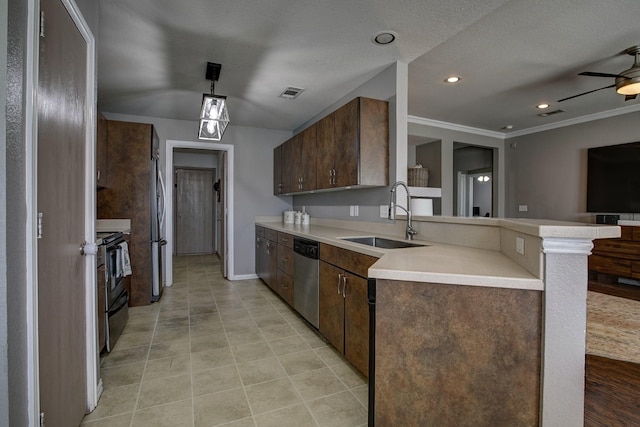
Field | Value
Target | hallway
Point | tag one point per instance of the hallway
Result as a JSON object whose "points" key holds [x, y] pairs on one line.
{"points": [[219, 353]]}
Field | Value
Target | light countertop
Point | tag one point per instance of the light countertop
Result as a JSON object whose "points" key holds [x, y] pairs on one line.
{"points": [[434, 263], [440, 262]]}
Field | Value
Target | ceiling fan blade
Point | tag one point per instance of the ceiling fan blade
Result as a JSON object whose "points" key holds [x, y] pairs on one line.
{"points": [[594, 74], [629, 97], [585, 93]]}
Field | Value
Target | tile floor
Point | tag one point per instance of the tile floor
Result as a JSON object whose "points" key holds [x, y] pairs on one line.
{"points": [[220, 353]]}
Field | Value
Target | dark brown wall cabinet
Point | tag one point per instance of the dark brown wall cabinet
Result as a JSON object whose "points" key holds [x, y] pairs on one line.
{"points": [[347, 148], [344, 310], [129, 147]]}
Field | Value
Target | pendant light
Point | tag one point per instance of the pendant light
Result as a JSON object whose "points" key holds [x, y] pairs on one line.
{"points": [[214, 116]]}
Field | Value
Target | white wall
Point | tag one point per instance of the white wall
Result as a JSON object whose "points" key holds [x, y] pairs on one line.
{"points": [[547, 171], [253, 180], [448, 136]]}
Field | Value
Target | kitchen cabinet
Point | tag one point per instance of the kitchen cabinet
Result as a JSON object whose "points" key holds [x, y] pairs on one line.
{"points": [[102, 161], [344, 310], [129, 153], [277, 170], [265, 257], [284, 284], [347, 148], [299, 161]]}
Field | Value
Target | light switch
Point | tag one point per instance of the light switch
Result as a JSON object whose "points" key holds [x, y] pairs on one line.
{"points": [[384, 211], [523, 208], [520, 245]]}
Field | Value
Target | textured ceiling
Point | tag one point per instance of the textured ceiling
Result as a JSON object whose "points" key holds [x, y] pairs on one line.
{"points": [[511, 55]]}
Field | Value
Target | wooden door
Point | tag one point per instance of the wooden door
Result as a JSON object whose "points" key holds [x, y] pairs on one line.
{"points": [[346, 144], [356, 323], [325, 137], [62, 122], [331, 305], [195, 231]]}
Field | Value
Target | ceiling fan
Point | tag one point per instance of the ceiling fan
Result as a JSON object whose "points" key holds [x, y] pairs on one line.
{"points": [[627, 82]]}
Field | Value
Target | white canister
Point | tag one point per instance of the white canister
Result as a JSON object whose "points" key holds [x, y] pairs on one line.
{"points": [[305, 219], [289, 217], [298, 218]]}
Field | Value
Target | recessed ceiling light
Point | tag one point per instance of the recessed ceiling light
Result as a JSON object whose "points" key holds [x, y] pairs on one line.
{"points": [[384, 38], [452, 79], [542, 106]]}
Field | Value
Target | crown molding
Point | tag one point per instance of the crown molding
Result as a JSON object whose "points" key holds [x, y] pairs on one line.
{"points": [[493, 134], [455, 127]]}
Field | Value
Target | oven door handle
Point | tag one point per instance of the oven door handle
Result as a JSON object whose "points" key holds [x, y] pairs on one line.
{"points": [[121, 303]]}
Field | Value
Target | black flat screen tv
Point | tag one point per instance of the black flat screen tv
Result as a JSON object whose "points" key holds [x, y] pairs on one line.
{"points": [[613, 179]]}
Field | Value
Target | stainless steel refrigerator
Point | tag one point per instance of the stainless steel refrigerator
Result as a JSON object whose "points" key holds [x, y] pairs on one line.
{"points": [[158, 210]]}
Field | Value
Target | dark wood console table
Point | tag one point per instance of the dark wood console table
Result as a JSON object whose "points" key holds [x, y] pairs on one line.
{"points": [[612, 259]]}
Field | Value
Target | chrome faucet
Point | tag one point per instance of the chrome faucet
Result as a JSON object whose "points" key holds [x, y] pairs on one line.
{"points": [[392, 209]]}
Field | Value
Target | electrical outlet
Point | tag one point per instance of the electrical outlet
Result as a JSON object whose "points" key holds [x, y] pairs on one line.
{"points": [[384, 211], [520, 245], [523, 208]]}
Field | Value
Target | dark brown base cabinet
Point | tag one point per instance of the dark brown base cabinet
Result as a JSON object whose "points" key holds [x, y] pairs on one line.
{"points": [[347, 148], [274, 261], [344, 308]]}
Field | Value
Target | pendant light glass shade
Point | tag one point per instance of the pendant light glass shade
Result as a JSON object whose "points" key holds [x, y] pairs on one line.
{"points": [[214, 117]]}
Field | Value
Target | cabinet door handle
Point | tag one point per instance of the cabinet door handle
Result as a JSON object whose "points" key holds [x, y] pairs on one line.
{"points": [[344, 286], [339, 281]]}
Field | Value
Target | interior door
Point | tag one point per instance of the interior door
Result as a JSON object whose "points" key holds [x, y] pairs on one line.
{"points": [[62, 122], [195, 231]]}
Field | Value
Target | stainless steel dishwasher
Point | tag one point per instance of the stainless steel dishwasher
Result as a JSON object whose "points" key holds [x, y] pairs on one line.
{"points": [[306, 280]]}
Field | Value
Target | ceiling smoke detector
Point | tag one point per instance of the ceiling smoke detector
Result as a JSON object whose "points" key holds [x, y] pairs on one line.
{"points": [[384, 38], [291, 92]]}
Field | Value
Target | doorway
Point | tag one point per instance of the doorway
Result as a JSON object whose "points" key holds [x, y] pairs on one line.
{"points": [[225, 216], [195, 198], [473, 180]]}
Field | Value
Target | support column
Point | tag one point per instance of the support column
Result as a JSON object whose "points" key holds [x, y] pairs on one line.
{"points": [[565, 323]]}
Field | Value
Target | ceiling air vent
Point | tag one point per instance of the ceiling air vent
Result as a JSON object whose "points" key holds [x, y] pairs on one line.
{"points": [[551, 113], [291, 92]]}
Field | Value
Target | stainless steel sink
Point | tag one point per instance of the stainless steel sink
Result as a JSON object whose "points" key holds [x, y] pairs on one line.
{"points": [[381, 242]]}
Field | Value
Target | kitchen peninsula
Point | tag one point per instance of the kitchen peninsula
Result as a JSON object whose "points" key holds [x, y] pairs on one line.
{"points": [[484, 325]]}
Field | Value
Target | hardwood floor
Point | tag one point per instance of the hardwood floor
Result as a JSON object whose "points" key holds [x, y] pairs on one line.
{"points": [[612, 392]]}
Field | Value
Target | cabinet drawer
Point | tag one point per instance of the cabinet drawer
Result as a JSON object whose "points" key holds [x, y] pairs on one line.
{"points": [[259, 231], [271, 234], [285, 287], [349, 260], [610, 265], [617, 247], [285, 239], [285, 259]]}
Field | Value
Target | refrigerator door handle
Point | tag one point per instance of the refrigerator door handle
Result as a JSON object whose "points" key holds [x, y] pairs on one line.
{"points": [[162, 201]]}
